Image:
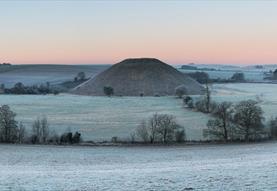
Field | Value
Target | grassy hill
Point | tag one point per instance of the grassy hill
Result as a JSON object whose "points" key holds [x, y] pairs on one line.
{"points": [[37, 74]]}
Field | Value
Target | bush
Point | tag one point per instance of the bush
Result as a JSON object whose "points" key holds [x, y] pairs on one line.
{"points": [[201, 77], [108, 91], [238, 77], [114, 139], [186, 99], [66, 138], [190, 104], [180, 135], [54, 139], [201, 106], [77, 137], [273, 128], [180, 91]]}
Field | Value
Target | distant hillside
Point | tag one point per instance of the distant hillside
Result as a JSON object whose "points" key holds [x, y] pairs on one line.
{"points": [[37, 74]]}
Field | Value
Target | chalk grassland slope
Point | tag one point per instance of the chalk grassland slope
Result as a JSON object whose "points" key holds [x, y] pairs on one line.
{"points": [[218, 167], [133, 77], [37, 74]]}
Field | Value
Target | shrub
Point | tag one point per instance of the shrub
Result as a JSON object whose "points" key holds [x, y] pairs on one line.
{"points": [[186, 99], [66, 138], [114, 139], [201, 77], [180, 91], [273, 128], [238, 77], [190, 104], [180, 135], [76, 137], [108, 91]]}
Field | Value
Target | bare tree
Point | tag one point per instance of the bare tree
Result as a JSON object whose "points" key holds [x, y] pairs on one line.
{"points": [[153, 127], [248, 118], [220, 126], [273, 128], [180, 134], [36, 131], [142, 131], [44, 129], [21, 133], [207, 97], [40, 130], [166, 127], [8, 124], [160, 127]]}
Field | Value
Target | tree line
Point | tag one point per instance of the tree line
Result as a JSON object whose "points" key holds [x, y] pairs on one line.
{"points": [[20, 89], [203, 77], [243, 121], [44, 88]]}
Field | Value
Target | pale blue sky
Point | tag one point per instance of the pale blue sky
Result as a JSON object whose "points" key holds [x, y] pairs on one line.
{"points": [[227, 32]]}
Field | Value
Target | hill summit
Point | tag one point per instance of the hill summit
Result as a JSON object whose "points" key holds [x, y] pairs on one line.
{"points": [[139, 76]]}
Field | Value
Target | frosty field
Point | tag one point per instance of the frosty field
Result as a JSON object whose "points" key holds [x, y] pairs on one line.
{"points": [[100, 118], [211, 167]]}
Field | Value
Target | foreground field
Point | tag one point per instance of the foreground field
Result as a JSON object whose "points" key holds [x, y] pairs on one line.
{"points": [[100, 118], [218, 167]]}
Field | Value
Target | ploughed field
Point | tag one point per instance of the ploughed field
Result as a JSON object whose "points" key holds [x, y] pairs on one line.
{"points": [[207, 167], [100, 118]]}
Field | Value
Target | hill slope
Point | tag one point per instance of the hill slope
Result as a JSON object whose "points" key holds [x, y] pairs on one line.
{"points": [[133, 77], [42, 73]]}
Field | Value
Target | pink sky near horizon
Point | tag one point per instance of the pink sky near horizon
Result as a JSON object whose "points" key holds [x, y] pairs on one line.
{"points": [[106, 33]]}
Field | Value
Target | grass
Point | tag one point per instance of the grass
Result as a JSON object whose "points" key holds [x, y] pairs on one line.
{"points": [[100, 118]]}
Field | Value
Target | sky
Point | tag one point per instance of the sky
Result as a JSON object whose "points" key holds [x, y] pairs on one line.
{"points": [[106, 32]]}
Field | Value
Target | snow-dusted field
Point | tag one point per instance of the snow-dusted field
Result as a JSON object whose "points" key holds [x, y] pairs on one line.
{"points": [[100, 118], [251, 75], [264, 93], [210, 167]]}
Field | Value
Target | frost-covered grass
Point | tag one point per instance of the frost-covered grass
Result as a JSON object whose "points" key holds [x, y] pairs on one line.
{"points": [[252, 75], [218, 167], [40, 74], [264, 93], [100, 118]]}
